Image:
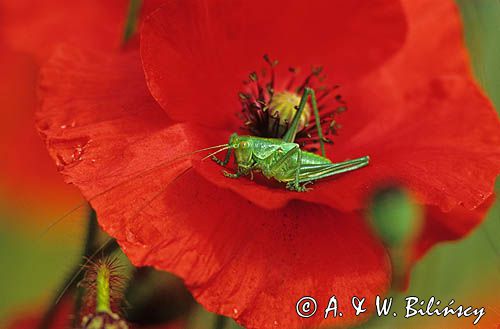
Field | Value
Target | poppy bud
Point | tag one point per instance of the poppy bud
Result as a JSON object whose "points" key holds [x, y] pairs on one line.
{"points": [[104, 287], [395, 216]]}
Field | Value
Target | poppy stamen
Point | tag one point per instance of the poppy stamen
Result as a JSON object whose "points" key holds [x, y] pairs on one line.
{"points": [[267, 112]]}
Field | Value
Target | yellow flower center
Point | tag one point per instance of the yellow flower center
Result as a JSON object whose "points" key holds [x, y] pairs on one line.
{"points": [[284, 105]]}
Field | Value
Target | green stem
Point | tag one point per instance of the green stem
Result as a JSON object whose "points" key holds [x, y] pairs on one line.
{"points": [[220, 322], [92, 233]]}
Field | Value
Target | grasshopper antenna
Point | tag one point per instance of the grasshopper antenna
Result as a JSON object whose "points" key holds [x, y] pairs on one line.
{"points": [[133, 176], [110, 244], [216, 152]]}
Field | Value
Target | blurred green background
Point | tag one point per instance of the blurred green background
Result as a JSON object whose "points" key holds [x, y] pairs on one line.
{"points": [[468, 270]]}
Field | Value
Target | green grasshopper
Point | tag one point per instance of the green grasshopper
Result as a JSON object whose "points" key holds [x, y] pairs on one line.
{"points": [[282, 159]]}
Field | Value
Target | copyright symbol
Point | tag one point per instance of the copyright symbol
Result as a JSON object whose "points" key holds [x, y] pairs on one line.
{"points": [[306, 307]]}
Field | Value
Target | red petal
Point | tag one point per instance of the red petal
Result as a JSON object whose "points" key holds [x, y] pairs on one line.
{"points": [[434, 43], [196, 54], [106, 92], [442, 140], [253, 264], [453, 225], [236, 258]]}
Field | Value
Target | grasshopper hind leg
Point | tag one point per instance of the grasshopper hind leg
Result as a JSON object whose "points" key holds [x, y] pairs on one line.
{"points": [[316, 172], [292, 131]]}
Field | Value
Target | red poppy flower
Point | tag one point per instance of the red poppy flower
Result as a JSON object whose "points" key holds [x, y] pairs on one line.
{"points": [[247, 249]]}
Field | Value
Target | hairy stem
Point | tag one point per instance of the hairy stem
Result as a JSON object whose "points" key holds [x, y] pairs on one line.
{"points": [[103, 303]]}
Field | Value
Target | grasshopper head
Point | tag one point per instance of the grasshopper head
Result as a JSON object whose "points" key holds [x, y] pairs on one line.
{"points": [[243, 151]]}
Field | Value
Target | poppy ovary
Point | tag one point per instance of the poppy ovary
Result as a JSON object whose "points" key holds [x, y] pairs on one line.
{"points": [[283, 107]]}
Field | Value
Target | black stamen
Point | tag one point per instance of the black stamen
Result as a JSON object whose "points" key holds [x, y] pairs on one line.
{"points": [[260, 119]]}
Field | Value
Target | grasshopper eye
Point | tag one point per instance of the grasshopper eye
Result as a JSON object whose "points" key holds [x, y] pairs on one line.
{"points": [[244, 145]]}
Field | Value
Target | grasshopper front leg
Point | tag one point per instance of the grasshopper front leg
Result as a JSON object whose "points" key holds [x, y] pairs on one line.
{"points": [[224, 162], [230, 175]]}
